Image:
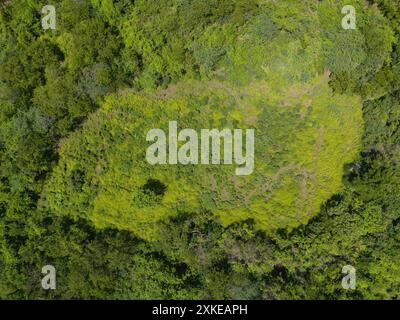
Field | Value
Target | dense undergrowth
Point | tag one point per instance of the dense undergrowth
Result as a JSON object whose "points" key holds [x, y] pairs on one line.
{"points": [[75, 192]]}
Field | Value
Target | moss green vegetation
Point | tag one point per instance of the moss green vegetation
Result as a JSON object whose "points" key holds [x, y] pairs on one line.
{"points": [[77, 192], [300, 153]]}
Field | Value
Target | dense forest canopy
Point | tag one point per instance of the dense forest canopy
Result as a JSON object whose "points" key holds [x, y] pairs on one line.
{"points": [[76, 191]]}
